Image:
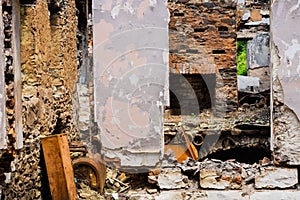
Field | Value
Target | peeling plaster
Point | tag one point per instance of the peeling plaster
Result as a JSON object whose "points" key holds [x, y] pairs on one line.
{"points": [[131, 79], [285, 82], [285, 28]]}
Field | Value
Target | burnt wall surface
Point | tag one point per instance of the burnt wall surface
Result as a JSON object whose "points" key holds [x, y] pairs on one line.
{"points": [[131, 79], [285, 78], [184, 99], [49, 73], [202, 36]]}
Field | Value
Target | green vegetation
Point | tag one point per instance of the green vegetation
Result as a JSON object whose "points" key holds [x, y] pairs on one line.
{"points": [[242, 57]]}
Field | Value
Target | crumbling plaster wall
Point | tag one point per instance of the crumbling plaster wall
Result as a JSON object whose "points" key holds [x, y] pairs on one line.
{"points": [[131, 79], [49, 74], [285, 81]]}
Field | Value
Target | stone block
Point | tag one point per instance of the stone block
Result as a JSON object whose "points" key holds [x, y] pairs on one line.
{"points": [[276, 178], [259, 195], [248, 84], [140, 197], [264, 77], [171, 179], [166, 195], [218, 179]]}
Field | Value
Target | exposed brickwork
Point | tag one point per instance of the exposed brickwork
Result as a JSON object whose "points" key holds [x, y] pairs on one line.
{"points": [[185, 98], [252, 17], [203, 41]]}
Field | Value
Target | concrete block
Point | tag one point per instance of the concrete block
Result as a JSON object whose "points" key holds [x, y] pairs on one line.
{"points": [[248, 84], [259, 195], [215, 179], [273, 177], [140, 197], [167, 195], [171, 180]]}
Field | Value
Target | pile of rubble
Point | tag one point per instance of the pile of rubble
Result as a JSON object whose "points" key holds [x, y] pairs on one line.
{"points": [[192, 179], [248, 127]]}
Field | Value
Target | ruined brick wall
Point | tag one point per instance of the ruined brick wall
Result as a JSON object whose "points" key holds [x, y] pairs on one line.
{"points": [[203, 97], [202, 41], [253, 25], [49, 67], [253, 17]]}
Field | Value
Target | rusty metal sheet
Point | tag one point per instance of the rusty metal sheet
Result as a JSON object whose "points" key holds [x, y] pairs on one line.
{"points": [[3, 143], [130, 79], [285, 30]]}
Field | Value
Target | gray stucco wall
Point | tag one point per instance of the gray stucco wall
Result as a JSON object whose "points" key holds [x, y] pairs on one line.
{"points": [[285, 57], [131, 79]]}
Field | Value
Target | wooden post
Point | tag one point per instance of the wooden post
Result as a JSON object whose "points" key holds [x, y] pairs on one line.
{"points": [[59, 167]]}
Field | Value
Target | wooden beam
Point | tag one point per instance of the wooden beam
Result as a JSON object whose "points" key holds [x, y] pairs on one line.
{"points": [[59, 167]]}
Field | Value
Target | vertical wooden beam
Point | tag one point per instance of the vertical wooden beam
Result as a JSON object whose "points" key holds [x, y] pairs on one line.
{"points": [[17, 73], [3, 143], [59, 167]]}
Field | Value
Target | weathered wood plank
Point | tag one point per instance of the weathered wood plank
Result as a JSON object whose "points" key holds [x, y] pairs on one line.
{"points": [[3, 143], [59, 167]]}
